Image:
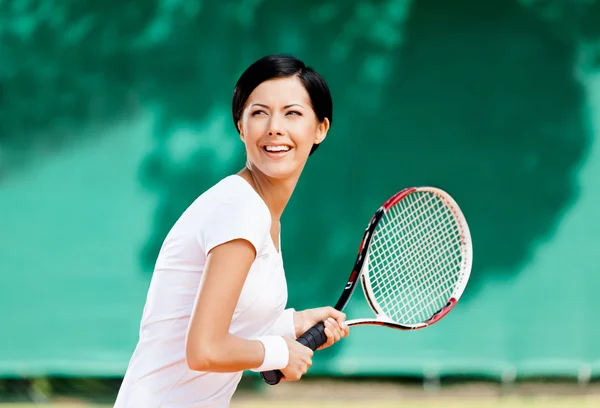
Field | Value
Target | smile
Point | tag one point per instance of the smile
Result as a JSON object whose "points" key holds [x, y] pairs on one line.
{"points": [[277, 148]]}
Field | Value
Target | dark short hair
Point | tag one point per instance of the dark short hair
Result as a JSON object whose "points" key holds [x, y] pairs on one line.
{"points": [[278, 66]]}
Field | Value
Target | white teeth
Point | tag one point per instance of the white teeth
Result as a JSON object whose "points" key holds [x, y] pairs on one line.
{"points": [[277, 148]]}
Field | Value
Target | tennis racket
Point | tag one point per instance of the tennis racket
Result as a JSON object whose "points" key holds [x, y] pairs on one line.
{"points": [[413, 263]]}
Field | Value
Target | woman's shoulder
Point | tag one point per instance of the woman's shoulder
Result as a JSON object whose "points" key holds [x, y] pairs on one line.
{"points": [[234, 188], [231, 209], [233, 193]]}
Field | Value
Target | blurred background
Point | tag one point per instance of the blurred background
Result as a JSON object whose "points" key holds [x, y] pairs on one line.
{"points": [[115, 116]]}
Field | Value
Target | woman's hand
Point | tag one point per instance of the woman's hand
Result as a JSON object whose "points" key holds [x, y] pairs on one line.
{"points": [[299, 361], [334, 320]]}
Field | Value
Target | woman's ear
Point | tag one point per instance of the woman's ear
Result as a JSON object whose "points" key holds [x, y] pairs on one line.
{"points": [[322, 130], [239, 126]]}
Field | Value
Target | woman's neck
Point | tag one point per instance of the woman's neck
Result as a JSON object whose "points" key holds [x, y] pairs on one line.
{"points": [[275, 193]]}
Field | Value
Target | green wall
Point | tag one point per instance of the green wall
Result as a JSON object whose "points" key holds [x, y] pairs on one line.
{"points": [[114, 118]]}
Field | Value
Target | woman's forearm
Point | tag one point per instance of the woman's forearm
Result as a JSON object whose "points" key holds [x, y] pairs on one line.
{"points": [[233, 353]]}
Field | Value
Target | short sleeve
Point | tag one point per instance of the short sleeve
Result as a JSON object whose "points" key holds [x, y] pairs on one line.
{"points": [[242, 218]]}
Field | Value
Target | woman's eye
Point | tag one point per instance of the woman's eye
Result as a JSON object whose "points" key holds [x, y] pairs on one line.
{"points": [[294, 113], [259, 112]]}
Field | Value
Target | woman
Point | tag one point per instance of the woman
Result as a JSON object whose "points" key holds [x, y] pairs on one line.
{"points": [[216, 303]]}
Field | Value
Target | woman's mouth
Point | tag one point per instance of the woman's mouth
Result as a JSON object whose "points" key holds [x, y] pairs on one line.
{"points": [[276, 150]]}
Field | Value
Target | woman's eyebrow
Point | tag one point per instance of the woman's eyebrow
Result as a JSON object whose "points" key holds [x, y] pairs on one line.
{"points": [[285, 107]]}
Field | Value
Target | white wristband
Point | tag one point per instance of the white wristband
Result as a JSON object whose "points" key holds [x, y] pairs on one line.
{"points": [[277, 354]]}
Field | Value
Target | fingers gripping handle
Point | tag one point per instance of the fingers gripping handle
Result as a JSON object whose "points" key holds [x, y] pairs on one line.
{"points": [[313, 338]]}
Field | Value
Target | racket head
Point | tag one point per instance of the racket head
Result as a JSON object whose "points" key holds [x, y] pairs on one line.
{"points": [[418, 259]]}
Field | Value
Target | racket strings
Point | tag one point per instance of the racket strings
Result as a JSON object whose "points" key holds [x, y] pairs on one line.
{"points": [[418, 281], [387, 281], [387, 246], [414, 282], [415, 258], [438, 287], [391, 255]]}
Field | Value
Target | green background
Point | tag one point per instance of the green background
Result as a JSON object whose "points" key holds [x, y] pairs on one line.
{"points": [[115, 116]]}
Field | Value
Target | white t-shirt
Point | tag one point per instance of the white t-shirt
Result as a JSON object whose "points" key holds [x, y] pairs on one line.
{"points": [[158, 375]]}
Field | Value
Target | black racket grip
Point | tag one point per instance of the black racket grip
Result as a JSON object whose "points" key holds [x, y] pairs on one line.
{"points": [[313, 338]]}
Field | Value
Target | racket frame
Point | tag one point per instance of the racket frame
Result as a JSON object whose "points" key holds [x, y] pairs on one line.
{"points": [[360, 271]]}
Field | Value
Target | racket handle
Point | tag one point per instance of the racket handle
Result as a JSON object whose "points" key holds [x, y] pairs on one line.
{"points": [[313, 338]]}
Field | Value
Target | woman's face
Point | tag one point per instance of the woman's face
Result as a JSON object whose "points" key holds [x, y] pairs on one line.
{"points": [[279, 127]]}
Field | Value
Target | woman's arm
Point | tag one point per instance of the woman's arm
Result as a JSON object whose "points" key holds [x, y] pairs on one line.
{"points": [[209, 345]]}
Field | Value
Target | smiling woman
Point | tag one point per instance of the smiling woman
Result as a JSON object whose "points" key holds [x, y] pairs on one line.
{"points": [[216, 305]]}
